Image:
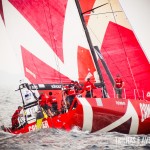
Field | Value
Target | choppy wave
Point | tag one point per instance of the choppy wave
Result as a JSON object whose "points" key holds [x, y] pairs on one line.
{"points": [[54, 139]]}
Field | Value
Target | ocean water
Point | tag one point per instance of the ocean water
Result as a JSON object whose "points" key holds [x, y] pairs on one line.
{"points": [[54, 139]]}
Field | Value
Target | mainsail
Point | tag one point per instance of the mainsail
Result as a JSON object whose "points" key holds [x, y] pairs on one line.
{"points": [[49, 39]]}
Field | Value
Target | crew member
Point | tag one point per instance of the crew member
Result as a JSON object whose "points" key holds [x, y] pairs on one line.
{"points": [[52, 102], [42, 99], [118, 86], [78, 88], [43, 102], [15, 117], [88, 87], [70, 92]]}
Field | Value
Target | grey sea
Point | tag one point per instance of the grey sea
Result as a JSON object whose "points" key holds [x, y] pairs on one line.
{"points": [[53, 139]]}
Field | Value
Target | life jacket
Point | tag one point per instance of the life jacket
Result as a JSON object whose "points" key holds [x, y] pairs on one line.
{"points": [[16, 114], [119, 82], [15, 118], [70, 90], [52, 99], [88, 86], [42, 100]]}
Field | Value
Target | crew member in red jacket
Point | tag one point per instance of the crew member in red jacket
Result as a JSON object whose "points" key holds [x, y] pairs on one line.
{"points": [[52, 102], [42, 100], [44, 103], [118, 86], [70, 93], [78, 89], [14, 119], [88, 87]]}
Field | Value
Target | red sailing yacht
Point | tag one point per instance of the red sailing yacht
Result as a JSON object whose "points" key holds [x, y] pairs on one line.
{"points": [[59, 41]]}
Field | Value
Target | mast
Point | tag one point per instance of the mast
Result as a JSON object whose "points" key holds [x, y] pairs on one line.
{"points": [[105, 65], [104, 90]]}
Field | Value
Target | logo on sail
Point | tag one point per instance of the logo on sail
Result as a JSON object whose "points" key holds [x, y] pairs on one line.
{"points": [[31, 73]]}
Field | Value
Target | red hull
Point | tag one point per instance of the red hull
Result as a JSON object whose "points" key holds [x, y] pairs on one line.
{"points": [[97, 114]]}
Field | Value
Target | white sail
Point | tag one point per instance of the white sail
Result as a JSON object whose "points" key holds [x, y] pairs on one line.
{"points": [[138, 13]]}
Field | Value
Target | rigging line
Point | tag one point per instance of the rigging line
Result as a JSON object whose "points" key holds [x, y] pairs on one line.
{"points": [[122, 44], [56, 58], [92, 14], [94, 8], [35, 65], [52, 40]]}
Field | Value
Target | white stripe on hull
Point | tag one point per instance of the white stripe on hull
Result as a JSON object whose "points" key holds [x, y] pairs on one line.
{"points": [[87, 115], [99, 102]]}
